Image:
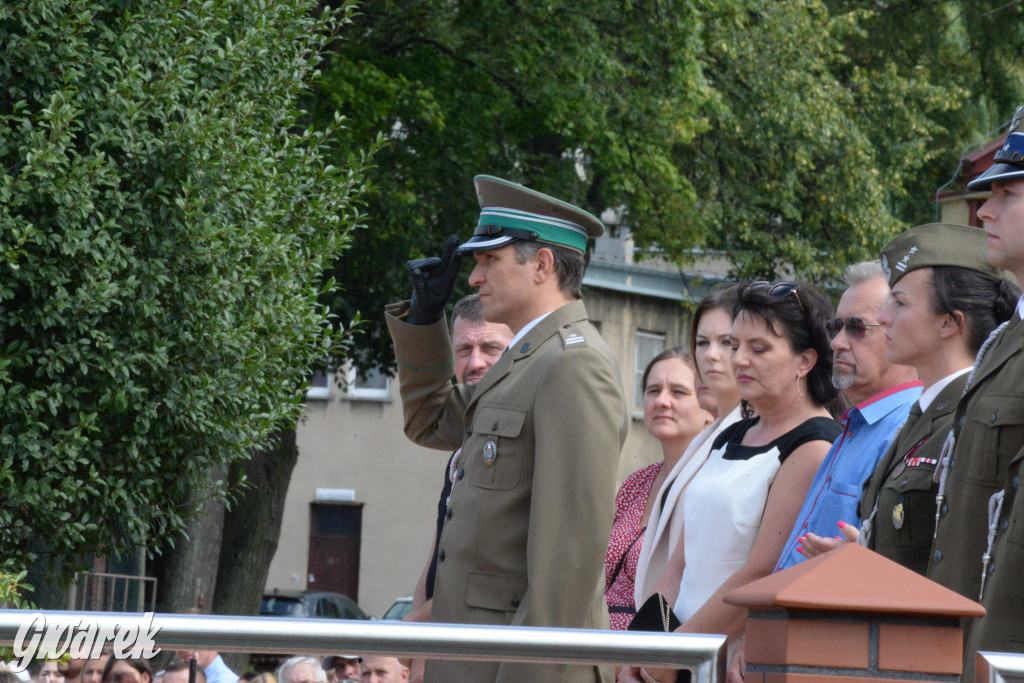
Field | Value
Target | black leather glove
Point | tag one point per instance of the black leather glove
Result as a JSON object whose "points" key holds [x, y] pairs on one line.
{"points": [[433, 280]]}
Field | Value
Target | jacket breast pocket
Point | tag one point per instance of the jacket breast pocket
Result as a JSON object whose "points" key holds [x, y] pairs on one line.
{"points": [[907, 503], [498, 446], [998, 435]]}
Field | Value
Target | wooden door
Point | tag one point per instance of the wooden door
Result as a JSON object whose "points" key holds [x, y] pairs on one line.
{"points": [[335, 532]]}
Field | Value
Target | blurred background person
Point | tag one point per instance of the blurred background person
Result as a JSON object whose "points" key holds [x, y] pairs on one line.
{"points": [[301, 670], [344, 667], [378, 669], [92, 669], [127, 671], [674, 417], [177, 672], [50, 672]]}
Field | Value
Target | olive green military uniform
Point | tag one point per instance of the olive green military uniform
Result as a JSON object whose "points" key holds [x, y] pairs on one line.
{"points": [[1002, 628], [533, 502], [989, 430], [901, 491]]}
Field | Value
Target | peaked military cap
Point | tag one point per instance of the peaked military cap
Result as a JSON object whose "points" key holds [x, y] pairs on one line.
{"points": [[510, 212], [937, 244], [1009, 161]]}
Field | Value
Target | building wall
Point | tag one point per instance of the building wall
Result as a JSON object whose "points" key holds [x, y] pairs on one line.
{"points": [[619, 315], [358, 444]]}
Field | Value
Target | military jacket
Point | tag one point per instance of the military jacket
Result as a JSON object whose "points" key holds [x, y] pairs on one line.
{"points": [[533, 502], [989, 431], [1002, 627], [901, 490]]}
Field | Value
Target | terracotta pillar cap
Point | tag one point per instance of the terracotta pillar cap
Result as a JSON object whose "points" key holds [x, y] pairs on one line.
{"points": [[853, 579]]}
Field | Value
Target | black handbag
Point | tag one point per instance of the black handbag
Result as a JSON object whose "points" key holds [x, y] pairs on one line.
{"points": [[655, 615]]}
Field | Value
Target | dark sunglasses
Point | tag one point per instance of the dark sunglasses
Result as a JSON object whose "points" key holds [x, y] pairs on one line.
{"points": [[856, 328], [779, 290]]}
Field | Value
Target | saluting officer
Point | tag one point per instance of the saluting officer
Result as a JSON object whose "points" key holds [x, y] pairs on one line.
{"points": [[979, 544], [946, 299], [532, 507]]}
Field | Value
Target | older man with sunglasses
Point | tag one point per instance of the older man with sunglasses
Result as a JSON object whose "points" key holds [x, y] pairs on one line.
{"points": [[881, 395]]}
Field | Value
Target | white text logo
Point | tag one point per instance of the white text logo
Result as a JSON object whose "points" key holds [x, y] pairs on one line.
{"points": [[36, 640]]}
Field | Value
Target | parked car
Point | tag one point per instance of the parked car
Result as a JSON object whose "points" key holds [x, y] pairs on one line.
{"points": [[311, 604], [399, 608], [306, 605]]}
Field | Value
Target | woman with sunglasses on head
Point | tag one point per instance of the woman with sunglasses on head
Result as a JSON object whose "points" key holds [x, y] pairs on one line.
{"points": [[674, 417], [946, 299], [660, 563], [741, 505]]}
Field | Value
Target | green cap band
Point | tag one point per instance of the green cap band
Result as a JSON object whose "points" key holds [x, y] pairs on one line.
{"points": [[548, 229]]}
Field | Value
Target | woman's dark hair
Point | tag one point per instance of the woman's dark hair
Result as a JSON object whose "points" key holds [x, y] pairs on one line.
{"points": [[722, 297], [140, 665], [797, 312], [985, 301], [680, 352]]}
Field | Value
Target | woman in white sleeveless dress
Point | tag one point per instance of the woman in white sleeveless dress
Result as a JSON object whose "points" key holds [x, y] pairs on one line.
{"points": [[740, 506]]}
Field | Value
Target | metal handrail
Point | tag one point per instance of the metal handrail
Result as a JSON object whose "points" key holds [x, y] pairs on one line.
{"points": [[996, 667], [703, 655]]}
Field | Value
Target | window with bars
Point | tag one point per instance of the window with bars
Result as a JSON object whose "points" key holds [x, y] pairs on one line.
{"points": [[368, 385], [648, 345], [320, 383]]}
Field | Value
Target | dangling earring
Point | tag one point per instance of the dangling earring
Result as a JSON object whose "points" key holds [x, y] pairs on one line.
{"points": [[801, 385]]}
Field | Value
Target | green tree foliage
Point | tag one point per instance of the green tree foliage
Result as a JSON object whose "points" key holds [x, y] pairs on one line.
{"points": [[527, 91], [791, 137], [164, 226]]}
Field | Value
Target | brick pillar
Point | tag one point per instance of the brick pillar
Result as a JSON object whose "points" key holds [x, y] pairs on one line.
{"points": [[852, 616]]}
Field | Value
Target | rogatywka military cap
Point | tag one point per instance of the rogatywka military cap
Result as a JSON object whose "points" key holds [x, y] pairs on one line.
{"points": [[510, 212], [1009, 161], [937, 244]]}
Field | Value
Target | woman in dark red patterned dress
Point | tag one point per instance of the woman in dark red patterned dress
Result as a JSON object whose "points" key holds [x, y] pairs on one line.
{"points": [[673, 416]]}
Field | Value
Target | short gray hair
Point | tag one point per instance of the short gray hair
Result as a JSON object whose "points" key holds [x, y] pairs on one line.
{"points": [[569, 264], [859, 273], [470, 309], [318, 671]]}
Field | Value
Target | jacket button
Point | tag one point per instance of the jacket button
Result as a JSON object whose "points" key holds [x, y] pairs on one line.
{"points": [[469, 430], [524, 348], [448, 512], [460, 474], [1004, 525], [515, 602], [440, 556], [943, 510], [937, 556], [1015, 483], [992, 419], [962, 422]]}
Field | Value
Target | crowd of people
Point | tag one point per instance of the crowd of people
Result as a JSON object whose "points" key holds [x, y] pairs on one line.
{"points": [[206, 666], [895, 421]]}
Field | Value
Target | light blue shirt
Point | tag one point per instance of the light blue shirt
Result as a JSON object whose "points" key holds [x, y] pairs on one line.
{"points": [[868, 427], [218, 672]]}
